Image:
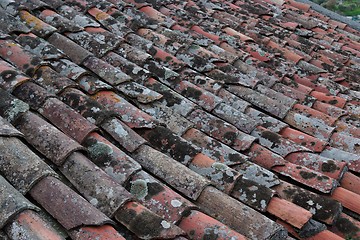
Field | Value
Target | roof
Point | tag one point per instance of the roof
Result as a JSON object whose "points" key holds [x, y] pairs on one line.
{"points": [[204, 119]]}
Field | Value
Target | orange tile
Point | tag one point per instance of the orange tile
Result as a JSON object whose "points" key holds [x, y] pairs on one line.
{"points": [[105, 232], [29, 224], [351, 182], [303, 139], [312, 113], [289, 212], [235, 33], [200, 226], [330, 99], [153, 13], [213, 37], [347, 198], [328, 109]]}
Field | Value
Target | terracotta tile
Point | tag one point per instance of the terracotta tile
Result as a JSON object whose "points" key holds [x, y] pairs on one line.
{"points": [[214, 149], [221, 175], [146, 224], [330, 110], [212, 82], [200, 226], [11, 108], [260, 100], [276, 143], [325, 234], [294, 93], [111, 159], [13, 203], [46, 138], [68, 69], [22, 59], [221, 130], [132, 116], [173, 173], [351, 182], [112, 24], [351, 159], [328, 167], [138, 92], [236, 215], [264, 157], [107, 72], [70, 48], [10, 77], [92, 84], [308, 83], [131, 69], [67, 207], [324, 209], [345, 128], [307, 177], [67, 119], [233, 100], [266, 120], [170, 98], [96, 39], [164, 140], [30, 225], [213, 37], [346, 226], [22, 167], [289, 212], [123, 134], [105, 232], [312, 126], [303, 139], [39, 46], [61, 23], [7, 130], [37, 26], [345, 142], [347, 198], [11, 24], [314, 114], [96, 186], [159, 198]]}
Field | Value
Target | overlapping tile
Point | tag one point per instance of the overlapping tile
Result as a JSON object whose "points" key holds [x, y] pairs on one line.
{"points": [[196, 93]]}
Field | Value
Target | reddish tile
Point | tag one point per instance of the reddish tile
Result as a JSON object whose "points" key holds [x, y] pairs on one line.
{"points": [[289, 212], [47, 139], [69, 208], [37, 26], [13, 202], [172, 172], [11, 108], [111, 159], [303, 139], [146, 224], [328, 167], [311, 113], [30, 225], [66, 119], [351, 159], [236, 215], [330, 110], [128, 113], [105, 232], [351, 182], [324, 209], [10, 77], [346, 227], [347, 198], [200, 226], [159, 198]]}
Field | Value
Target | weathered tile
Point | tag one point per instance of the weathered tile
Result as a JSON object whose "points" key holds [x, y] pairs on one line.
{"points": [[236, 215], [123, 134], [47, 139], [37, 26], [10, 78], [12, 201], [61, 23], [93, 232], [21, 167], [67, 119], [68, 69], [159, 198], [10, 24], [111, 159], [96, 186], [11, 108], [146, 224], [200, 226], [75, 52], [171, 144], [138, 92], [7, 130], [66, 206], [173, 173]]}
